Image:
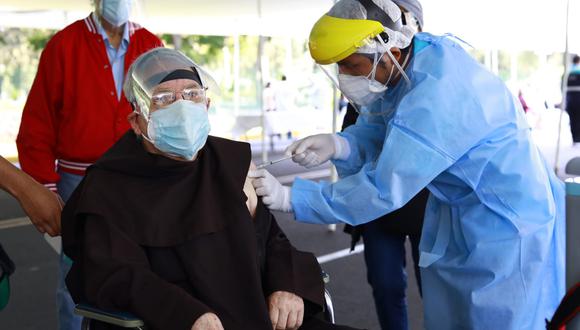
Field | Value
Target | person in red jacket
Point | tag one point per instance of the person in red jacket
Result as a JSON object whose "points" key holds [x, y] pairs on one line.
{"points": [[75, 110]]}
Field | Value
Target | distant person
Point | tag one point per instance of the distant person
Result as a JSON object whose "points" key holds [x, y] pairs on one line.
{"points": [[284, 96], [523, 101], [573, 98], [269, 98], [75, 110], [6, 269], [269, 104]]}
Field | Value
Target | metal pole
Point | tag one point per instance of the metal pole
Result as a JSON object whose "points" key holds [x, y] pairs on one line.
{"points": [[260, 87], [260, 92], [177, 41], [236, 75], [333, 173], [495, 61], [572, 231], [564, 88], [513, 66]]}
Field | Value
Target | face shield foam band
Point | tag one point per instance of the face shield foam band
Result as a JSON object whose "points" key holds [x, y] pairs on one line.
{"points": [[183, 74]]}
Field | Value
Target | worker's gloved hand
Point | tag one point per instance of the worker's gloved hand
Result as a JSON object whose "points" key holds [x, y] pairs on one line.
{"points": [[274, 195], [317, 149]]}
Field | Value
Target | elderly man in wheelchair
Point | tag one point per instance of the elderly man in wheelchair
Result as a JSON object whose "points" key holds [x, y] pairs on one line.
{"points": [[166, 226]]}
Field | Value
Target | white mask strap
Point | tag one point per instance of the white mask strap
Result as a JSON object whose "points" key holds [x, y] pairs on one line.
{"points": [[395, 62], [147, 120], [376, 61], [390, 75]]}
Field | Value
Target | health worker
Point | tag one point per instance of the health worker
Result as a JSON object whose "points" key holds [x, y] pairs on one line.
{"points": [[492, 245]]}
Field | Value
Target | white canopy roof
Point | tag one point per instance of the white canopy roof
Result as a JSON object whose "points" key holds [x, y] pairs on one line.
{"points": [[537, 25], [213, 17]]}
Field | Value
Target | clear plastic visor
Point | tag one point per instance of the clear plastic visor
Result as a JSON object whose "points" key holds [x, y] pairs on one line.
{"points": [[153, 67], [362, 64]]}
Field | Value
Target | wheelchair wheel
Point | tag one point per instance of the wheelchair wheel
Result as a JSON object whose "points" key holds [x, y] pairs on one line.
{"points": [[86, 324]]}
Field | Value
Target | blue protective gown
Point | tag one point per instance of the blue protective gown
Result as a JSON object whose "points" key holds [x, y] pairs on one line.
{"points": [[492, 247]]}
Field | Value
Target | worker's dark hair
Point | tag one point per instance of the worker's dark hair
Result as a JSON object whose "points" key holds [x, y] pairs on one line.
{"points": [[576, 59]]}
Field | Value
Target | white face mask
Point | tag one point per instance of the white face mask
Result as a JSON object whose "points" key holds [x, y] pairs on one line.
{"points": [[115, 12], [365, 90], [358, 89]]}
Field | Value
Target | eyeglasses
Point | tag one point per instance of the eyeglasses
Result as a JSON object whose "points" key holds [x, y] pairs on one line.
{"points": [[163, 99]]}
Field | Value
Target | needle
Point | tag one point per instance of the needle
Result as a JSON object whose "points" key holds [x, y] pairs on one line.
{"points": [[272, 162]]}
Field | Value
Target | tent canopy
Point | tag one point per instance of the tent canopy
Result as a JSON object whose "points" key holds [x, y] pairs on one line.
{"points": [[216, 17], [536, 25]]}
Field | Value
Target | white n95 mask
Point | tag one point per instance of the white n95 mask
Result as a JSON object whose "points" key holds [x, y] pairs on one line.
{"points": [[116, 12], [180, 129], [357, 89], [364, 90]]}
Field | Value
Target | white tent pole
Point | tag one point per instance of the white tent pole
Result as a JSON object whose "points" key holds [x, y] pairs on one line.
{"points": [[513, 66], [236, 75], [260, 96], [335, 102], [495, 61], [260, 87], [177, 41], [564, 88], [487, 59]]}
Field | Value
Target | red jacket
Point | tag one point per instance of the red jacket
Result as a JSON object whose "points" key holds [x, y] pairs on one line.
{"points": [[72, 113]]}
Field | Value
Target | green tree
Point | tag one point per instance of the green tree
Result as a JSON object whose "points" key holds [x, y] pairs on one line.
{"points": [[19, 53]]}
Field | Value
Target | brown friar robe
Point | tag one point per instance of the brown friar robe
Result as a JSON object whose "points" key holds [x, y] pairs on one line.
{"points": [[169, 241]]}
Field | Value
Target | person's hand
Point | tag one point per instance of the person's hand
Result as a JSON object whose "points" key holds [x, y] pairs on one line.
{"points": [[274, 195], [318, 149], [208, 321], [286, 310], [42, 206], [313, 150]]}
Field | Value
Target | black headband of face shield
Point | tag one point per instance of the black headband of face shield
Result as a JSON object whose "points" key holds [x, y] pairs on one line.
{"points": [[183, 74], [375, 13]]}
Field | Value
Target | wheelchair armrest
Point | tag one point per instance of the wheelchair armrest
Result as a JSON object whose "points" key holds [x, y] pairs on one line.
{"points": [[122, 319], [128, 320], [325, 277], [573, 166]]}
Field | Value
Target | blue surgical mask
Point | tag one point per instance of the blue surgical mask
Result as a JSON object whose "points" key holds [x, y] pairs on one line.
{"points": [[116, 12], [180, 129]]}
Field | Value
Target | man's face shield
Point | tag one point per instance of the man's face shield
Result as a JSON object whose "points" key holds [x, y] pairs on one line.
{"points": [[354, 48], [162, 64]]}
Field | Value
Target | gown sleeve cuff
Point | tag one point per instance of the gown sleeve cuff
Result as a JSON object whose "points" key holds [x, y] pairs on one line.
{"points": [[303, 192], [347, 164]]}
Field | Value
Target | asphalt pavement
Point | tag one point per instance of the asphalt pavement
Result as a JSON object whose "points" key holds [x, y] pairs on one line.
{"points": [[32, 305]]}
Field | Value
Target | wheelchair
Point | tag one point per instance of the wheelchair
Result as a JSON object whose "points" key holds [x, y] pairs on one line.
{"points": [[93, 315]]}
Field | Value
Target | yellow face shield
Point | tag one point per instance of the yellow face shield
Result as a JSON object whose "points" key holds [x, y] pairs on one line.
{"points": [[333, 39]]}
